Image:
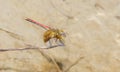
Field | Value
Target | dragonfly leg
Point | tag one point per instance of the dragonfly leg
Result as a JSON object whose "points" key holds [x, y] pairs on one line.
{"points": [[61, 43], [50, 43], [58, 43]]}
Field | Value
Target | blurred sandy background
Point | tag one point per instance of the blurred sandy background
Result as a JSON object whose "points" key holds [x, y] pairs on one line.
{"points": [[92, 43]]}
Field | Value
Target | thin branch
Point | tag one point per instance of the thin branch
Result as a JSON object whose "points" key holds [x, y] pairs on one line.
{"points": [[27, 48], [14, 35]]}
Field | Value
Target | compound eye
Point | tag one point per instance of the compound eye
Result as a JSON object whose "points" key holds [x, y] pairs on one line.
{"points": [[63, 34]]}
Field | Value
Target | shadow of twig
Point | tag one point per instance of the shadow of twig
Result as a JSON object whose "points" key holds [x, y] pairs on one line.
{"points": [[76, 62], [50, 59]]}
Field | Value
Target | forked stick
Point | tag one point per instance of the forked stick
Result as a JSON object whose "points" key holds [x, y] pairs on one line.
{"points": [[18, 37]]}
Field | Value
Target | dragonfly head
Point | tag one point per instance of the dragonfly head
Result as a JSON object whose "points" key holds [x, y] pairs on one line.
{"points": [[62, 33]]}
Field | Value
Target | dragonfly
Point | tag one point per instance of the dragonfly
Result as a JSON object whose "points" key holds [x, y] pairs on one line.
{"points": [[58, 35]]}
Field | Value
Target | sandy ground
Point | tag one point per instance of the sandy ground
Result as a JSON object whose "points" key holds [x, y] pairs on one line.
{"points": [[92, 42]]}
